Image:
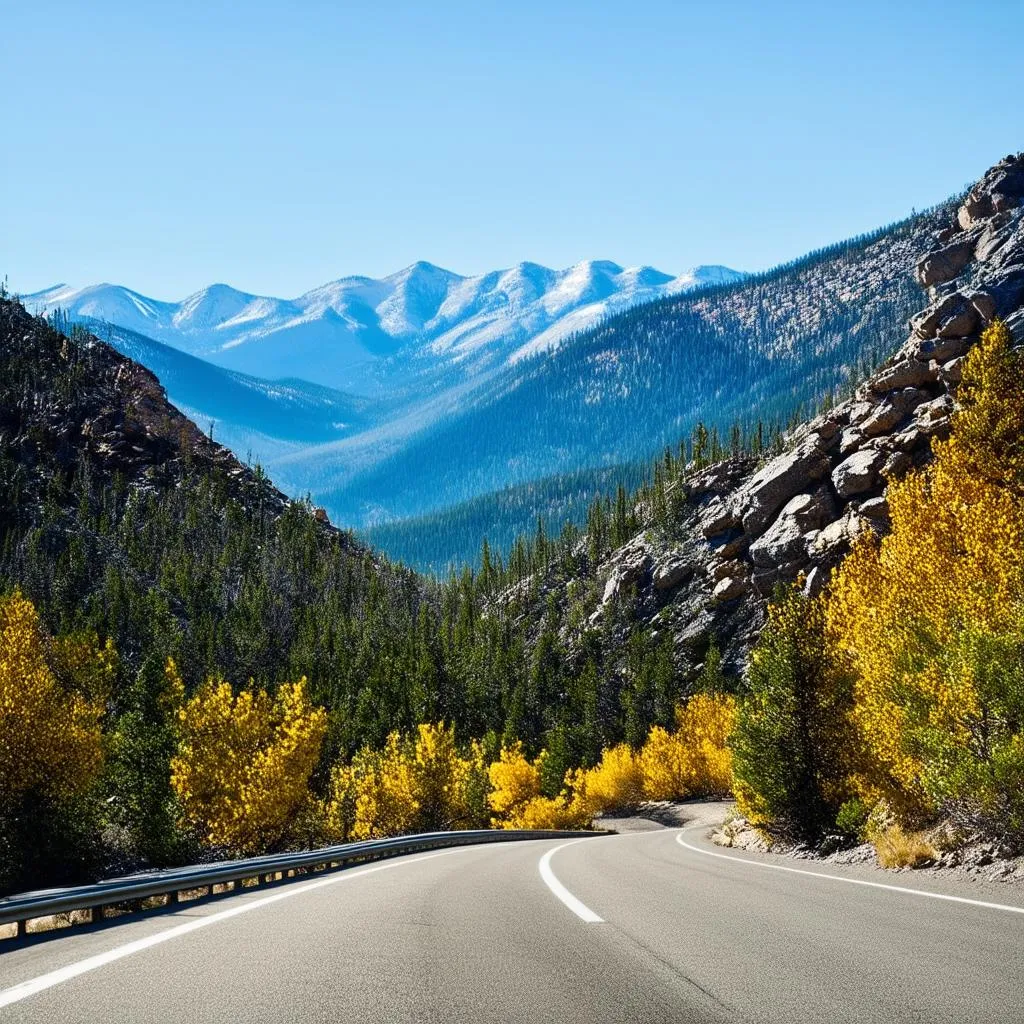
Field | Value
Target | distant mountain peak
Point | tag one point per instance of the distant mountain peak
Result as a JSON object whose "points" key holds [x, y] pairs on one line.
{"points": [[328, 333]]}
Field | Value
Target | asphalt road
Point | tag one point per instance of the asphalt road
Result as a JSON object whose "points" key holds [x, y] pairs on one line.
{"points": [[634, 928]]}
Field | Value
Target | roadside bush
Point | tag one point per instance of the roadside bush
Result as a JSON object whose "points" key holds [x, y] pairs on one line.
{"points": [[897, 848], [614, 783], [52, 695], [930, 622]]}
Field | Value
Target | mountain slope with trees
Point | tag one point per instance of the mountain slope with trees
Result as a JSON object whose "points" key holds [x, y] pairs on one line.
{"points": [[765, 350]]}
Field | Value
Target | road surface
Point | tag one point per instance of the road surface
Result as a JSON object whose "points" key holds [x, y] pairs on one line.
{"points": [[650, 927]]}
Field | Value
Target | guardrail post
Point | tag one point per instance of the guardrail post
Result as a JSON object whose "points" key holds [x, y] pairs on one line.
{"points": [[19, 929]]}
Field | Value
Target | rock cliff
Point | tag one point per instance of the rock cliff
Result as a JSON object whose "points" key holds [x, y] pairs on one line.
{"points": [[748, 527]]}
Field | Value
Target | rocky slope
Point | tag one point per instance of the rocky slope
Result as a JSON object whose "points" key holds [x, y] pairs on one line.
{"points": [[748, 527], [78, 406]]}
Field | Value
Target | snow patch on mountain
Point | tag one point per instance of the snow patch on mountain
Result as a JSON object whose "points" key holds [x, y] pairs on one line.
{"points": [[424, 313]]}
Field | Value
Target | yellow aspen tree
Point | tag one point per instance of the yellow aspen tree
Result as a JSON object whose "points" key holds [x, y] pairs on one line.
{"points": [[929, 620], [385, 788], [241, 772], [50, 736], [614, 783]]}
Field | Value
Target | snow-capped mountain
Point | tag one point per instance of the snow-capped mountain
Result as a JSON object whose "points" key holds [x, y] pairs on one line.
{"points": [[334, 334]]}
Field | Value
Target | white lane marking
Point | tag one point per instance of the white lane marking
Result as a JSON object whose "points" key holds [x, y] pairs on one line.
{"points": [[35, 985], [850, 881], [581, 910]]}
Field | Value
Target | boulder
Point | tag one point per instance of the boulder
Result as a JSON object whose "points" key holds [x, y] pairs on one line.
{"points": [[908, 373], [951, 373], [875, 510], [941, 349], [733, 567], [999, 231], [728, 545], [974, 209], [961, 323], [729, 588], [671, 572], [896, 464], [944, 264], [985, 304], [932, 417], [852, 439], [859, 412], [717, 517], [858, 473], [949, 317], [784, 541], [834, 540], [782, 478], [888, 413], [630, 567]]}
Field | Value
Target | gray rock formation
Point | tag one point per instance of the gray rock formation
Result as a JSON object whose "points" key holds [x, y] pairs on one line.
{"points": [[751, 527]]}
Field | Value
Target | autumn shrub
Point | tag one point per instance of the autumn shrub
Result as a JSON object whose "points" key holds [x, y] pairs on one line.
{"points": [[695, 759], [615, 783], [50, 737], [51, 748], [792, 743], [897, 848], [417, 783], [517, 801], [666, 768], [703, 725], [242, 766]]}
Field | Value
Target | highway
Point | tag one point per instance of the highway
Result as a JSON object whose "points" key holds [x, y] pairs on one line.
{"points": [[654, 926]]}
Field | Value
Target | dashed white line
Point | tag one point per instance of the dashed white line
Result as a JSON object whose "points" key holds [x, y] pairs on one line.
{"points": [[580, 909], [35, 985], [850, 881]]}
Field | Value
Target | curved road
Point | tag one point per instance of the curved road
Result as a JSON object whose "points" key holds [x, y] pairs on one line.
{"points": [[653, 927]]}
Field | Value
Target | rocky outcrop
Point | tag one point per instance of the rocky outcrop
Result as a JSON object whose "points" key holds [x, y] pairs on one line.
{"points": [[753, 526], [76, 404]]}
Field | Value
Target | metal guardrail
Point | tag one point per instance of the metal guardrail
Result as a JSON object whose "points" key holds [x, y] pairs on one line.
{"points": [[24, 907]]}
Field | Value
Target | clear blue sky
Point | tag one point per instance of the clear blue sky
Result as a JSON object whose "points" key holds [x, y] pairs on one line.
{"points": [[275, 147]]}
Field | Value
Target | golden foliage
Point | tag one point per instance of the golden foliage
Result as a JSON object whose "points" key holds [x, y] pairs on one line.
{"points": [[517, 801], [616, 782], [420, 783], [909, 615], [50, 737], [515, 780], [241, 772], [694, 760], [703, 726]]}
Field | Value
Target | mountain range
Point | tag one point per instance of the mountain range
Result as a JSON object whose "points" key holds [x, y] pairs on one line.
{"points": [[340, 333]]}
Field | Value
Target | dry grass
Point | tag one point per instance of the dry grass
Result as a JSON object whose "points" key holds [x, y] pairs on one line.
{"points": [[899, 849]]}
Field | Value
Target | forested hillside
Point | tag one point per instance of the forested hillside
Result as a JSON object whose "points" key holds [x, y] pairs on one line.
{"points": [[768, 348], [144, 564]]}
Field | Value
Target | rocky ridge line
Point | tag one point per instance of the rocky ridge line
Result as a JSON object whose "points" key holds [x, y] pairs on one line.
{"points": [[751, 527]]}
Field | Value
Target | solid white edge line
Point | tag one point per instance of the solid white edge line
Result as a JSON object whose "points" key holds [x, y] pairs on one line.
{"points": [[25, 989], [849, 881], [581, 910]]}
